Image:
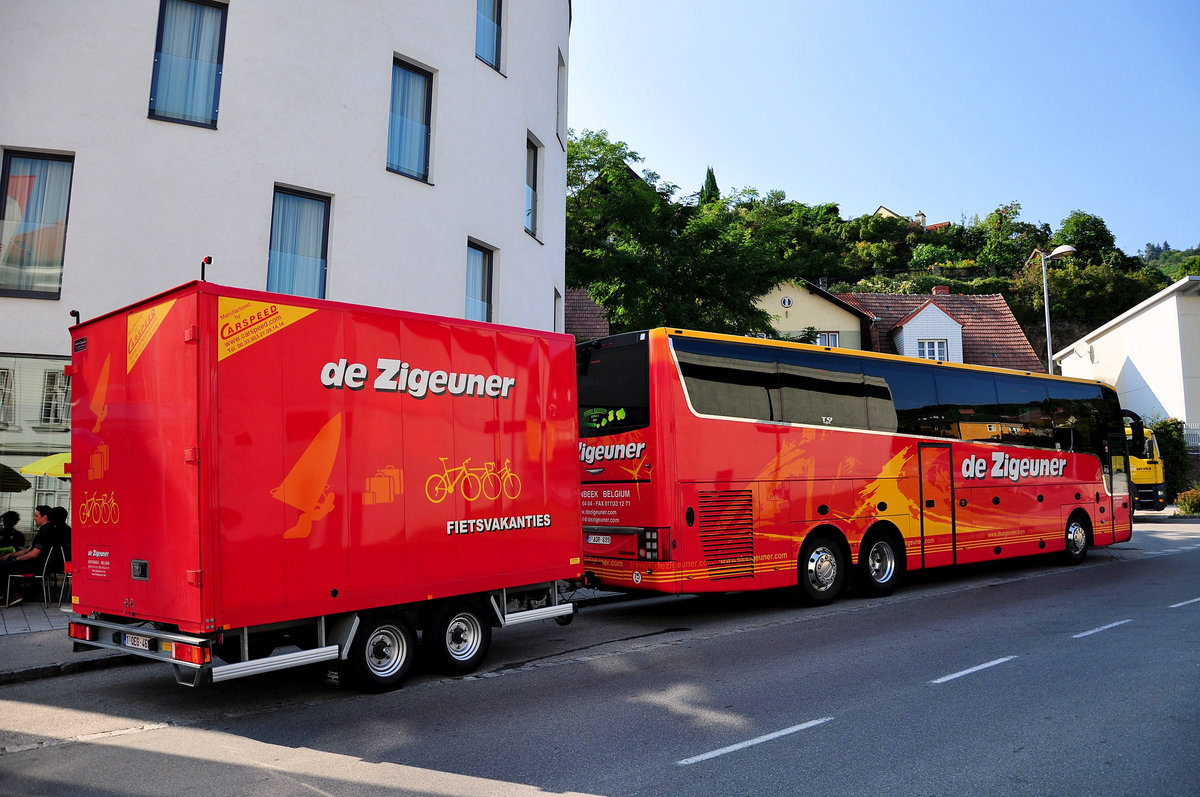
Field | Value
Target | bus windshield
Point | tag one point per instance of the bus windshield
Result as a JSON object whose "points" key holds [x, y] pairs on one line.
{"points": [[614, 384]]}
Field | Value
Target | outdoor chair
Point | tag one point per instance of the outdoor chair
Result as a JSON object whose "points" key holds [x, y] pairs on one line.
{"points": [[49, 570]]}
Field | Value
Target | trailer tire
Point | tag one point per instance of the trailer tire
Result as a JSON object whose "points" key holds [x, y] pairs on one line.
{"points": [[381, 654], [459, 637]]}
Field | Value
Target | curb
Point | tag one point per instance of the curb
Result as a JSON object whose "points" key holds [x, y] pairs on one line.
{"points": [[67, 668]]}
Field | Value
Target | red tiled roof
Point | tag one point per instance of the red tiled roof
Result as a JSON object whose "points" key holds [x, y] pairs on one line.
{"points": [[582, 317], [991, 335]]}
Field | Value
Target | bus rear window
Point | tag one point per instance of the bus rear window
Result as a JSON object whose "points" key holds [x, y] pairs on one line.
{"points": [[614, 384]]}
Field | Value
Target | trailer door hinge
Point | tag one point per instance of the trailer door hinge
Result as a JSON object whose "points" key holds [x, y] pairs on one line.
{"points": [[195, 577], [191, 334], [191, 455]]}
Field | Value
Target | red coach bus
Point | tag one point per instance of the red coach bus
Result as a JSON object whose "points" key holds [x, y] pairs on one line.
{"points": [[713, 463]]}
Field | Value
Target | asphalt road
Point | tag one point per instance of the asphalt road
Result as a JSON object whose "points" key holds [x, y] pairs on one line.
{"points": [[1021, 678]]}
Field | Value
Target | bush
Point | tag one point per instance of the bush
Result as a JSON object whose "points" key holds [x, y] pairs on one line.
{"points": [[1189, 502], [1172, 447]]}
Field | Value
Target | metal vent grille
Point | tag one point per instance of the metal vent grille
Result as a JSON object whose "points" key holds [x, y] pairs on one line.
{"points": [[727, 533]]}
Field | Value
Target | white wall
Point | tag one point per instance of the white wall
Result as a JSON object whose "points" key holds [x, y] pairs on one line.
{"points": [[931, 323], [304, 104], [1151, 354]]}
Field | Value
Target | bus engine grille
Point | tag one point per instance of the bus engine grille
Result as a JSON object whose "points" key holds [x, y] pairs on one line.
{"points": [[727, 533]]}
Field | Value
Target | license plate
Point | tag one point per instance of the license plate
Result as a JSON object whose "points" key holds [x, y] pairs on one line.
{"points": [[136, 641], [599, 539]]}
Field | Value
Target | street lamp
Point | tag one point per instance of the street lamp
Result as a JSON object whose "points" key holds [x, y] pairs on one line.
{"points": [[1059, 251]]}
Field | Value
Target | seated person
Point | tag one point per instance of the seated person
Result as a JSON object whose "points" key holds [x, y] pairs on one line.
{"points": [[31, 559], [10, 539]]}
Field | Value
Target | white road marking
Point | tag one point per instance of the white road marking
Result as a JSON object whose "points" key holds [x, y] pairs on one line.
{"points": [[961, 673], [1101, 628], [1185, 603], [751, 742]]}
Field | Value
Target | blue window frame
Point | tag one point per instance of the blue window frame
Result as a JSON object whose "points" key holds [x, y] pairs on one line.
{"points": [[299, 237], [36, 192], [186, 86], [487, 32], [408, 126]]}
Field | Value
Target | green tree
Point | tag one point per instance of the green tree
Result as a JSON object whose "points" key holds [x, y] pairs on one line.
{"points": [[1172, 447], [651, 261], [709, 192], [1088, 234]]}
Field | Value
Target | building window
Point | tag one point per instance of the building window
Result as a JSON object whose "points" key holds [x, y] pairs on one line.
{"points": [[931, 349], [33, 224], [531, 187], [827, 339], [299, 234], [56, 399], [186, 86], [479, 283], [561, 121], [487, 32], [408, 128], [7, 398]]}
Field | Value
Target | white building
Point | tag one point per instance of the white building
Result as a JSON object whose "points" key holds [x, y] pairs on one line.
{"points": [[405, 154], [1150, 353]]}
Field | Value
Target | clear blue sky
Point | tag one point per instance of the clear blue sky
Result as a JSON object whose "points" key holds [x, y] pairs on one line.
{"points": [[953, 108]]}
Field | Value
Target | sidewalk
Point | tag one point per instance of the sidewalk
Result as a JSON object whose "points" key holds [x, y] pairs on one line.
{"points": [[34, 644]]}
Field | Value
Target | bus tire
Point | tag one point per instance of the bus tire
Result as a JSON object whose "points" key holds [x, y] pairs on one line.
{"points": [[880, 564], [459, 637], [382, 652], [822, 568], [1077, 534]]}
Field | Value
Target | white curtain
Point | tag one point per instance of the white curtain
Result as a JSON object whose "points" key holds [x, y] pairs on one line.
{"points": [[186, 70], [34, 230], [296, 264], [408, 135]]}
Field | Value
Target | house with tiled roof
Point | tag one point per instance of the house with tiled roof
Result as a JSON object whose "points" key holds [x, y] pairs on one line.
{"points": [[979, 329], [799, 304], [582, 317]]}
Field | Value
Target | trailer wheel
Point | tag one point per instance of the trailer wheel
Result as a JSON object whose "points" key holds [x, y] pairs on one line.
{"points": [[1077, 541], [382, 652], [459, 637], [822, 568]]}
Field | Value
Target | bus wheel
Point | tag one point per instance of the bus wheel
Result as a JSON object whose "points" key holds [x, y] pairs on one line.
{"points": [[459, 637], [822, 569], [382, 652], [880, 566], [1077, 541]]}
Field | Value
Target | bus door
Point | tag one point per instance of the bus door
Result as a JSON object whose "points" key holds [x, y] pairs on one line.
{"points": [[937, 504]]}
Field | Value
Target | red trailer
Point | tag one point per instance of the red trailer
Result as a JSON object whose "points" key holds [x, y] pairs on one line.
{"points": [[255, 472]]}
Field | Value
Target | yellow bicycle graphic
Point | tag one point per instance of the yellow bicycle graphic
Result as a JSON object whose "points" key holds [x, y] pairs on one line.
{"points": [[473, 482], [100, 508], [504, 481]]}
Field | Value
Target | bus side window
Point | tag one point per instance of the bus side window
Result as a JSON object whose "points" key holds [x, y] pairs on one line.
{"points": [[1073, 408], [822, 389], [972, 397], [1024, 411], [901, 399]]}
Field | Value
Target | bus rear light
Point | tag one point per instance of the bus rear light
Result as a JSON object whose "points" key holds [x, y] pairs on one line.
{"points": [[653, 545], [80, 631], [193, 654]]}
